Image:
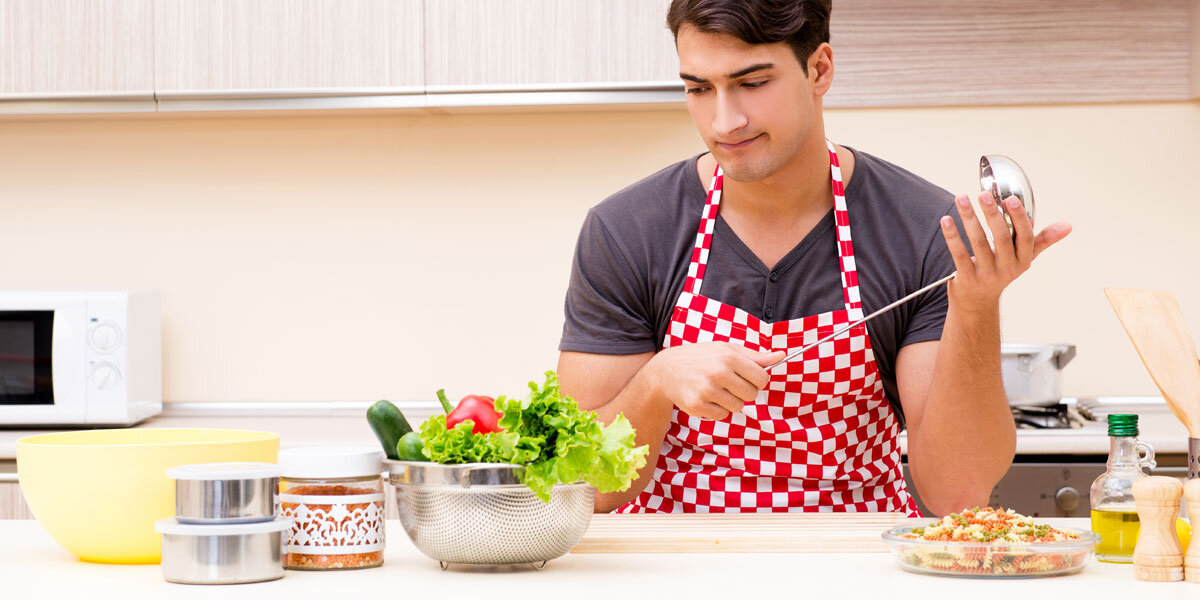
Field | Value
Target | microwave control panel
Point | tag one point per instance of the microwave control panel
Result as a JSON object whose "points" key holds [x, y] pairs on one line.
{"points": [[105, 353]]}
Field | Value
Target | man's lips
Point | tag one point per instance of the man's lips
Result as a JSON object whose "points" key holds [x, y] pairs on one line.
{"points": [[738, 145]]}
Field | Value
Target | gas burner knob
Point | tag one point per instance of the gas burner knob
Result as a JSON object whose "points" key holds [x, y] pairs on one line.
{"points": [[1066, 499]]}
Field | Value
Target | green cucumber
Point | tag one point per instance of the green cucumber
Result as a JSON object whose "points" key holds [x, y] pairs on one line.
{"points": [[389, 425]]}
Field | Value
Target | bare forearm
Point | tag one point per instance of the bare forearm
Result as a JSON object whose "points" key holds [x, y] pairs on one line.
{"points": [[650, 417], [966, 438]]}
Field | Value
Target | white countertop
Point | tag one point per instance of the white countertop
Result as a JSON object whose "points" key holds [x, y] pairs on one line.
{"points": [[349, 425], [34, 566]]}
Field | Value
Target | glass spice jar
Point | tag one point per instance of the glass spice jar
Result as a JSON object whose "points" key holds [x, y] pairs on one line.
{"points": [[334, 497]]}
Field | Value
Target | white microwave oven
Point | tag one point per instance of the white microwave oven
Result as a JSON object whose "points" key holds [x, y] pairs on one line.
{"points": [[79, 358]]}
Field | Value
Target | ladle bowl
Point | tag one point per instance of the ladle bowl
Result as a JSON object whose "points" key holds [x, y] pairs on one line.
{"points": [[1003, 177]]}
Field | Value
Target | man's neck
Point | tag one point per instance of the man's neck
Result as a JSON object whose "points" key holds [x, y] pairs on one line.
{"points": [[802, 187], [772, 216]]}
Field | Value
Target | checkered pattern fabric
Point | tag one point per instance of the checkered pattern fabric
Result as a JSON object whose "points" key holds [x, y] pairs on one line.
{"points": [[820, 437]]}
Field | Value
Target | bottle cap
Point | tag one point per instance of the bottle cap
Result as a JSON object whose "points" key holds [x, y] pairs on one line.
{"points": [[1123, 425]]}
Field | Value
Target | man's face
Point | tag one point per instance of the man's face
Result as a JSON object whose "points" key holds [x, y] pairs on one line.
{"points": [[752, 103]]}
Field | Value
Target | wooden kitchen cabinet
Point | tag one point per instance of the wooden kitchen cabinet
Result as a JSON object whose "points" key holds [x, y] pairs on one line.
{"points": [[522, 44], [231, 46], [12, 503], [977, 52], [76, 48], [105, 55]]}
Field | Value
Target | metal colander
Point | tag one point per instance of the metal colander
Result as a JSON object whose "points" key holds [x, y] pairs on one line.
{"points": [[482, 514]]}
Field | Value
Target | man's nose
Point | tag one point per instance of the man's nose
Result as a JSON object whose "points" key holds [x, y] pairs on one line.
{"points": [[729, 116]]}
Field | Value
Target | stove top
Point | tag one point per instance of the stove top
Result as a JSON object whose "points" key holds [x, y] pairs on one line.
{"points": [[1083, 413], [1057, 416]]}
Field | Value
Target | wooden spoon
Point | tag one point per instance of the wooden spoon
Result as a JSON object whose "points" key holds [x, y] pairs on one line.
{"points": [[1155, 324]]}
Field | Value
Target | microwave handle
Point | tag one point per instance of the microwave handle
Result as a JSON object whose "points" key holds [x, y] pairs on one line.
{"points": [[68, 359]]}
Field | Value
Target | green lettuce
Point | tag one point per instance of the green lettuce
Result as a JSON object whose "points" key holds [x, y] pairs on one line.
{"points": [[548, 433], [460, 445]]}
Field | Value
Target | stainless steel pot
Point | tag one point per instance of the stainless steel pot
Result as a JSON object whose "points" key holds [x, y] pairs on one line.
{"points": [[218, 554], [1032, 373]]}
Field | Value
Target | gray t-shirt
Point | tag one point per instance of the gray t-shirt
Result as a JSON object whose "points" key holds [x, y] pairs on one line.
{"points": [[633, 252]]}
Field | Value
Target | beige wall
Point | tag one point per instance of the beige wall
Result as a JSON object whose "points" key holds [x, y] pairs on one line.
{"points": [[338, 257]]}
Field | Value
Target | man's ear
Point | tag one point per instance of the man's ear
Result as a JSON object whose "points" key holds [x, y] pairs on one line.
{"points": [[820, 69]]}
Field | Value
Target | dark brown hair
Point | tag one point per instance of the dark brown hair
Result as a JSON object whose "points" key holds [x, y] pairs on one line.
{"points": [[801, 24]]}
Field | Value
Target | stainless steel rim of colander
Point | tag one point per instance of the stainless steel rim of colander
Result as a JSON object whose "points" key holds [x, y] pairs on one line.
{"points": [[491, 475]]}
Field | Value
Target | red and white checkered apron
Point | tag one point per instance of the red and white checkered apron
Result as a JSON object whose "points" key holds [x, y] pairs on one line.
{"points": [[820, 437]]}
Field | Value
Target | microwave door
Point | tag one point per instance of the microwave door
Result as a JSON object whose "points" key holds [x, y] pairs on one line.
{"points": [[25, 358], [42, 365]]}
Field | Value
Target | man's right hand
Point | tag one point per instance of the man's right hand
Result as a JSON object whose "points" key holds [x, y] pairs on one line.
{"points": [[707, 380], [710, 380]]}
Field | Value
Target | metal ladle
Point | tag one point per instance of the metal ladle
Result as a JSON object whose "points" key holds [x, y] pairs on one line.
{"points": [[999, 175]]}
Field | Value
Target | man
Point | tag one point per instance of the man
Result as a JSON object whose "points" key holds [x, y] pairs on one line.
{"points": [[680, 299]]}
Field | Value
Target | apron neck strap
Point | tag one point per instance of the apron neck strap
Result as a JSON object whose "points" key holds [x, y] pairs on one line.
{"points": [[708, 220]]}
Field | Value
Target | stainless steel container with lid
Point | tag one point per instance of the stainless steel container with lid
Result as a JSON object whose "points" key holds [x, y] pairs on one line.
{"points": [[1032, 373], [214, 493], [220, 554], [482, 514]]}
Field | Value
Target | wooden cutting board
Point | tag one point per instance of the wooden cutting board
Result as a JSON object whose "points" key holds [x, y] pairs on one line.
{"points": [[753, 532]]}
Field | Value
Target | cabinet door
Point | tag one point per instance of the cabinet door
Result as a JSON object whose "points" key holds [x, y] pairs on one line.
{"points": [[12, 503], [63, 48], [952, 52], [507, 44], [287, 45]]}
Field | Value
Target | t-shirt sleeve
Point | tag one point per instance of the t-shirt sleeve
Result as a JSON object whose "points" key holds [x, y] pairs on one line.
{"points": [[607, 303], [929, 316]]}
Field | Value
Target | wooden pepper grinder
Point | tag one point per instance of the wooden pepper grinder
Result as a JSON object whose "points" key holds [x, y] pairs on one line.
{"points": [[1191, 562], [1158, 555]]}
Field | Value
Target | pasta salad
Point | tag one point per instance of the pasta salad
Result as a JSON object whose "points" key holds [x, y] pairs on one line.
{"points": [[990, 525], [989, 542]]}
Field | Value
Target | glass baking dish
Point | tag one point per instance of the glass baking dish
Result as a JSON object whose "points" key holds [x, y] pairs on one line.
{"points": [[990, 559]]}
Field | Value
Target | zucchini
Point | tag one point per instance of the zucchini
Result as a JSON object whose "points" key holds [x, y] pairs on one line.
{"points": [[389, 425]]}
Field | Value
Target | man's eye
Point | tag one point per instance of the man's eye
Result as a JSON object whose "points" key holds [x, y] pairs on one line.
{"points": [[754, 84], [696, 90]]}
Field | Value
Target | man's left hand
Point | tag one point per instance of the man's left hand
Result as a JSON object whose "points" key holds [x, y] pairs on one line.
{"points": [[982, 278]]}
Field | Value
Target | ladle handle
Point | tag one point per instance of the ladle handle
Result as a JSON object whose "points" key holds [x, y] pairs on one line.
{"points": [[845, 328]]}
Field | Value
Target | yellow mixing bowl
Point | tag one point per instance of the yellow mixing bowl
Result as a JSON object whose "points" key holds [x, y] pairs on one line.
{"points": [[99, 492]]}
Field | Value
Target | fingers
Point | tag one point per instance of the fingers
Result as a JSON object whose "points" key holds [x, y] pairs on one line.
{"points": [[1001, 236], [962, 259], [727, 402], [739, 387], [752, 363], [1022, 228], [984, 259], [709, 411], [1051, 235]]}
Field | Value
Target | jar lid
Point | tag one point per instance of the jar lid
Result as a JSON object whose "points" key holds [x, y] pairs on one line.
{"points": [[224, 471], [1123, 425], [316, 462], [172, 526]]}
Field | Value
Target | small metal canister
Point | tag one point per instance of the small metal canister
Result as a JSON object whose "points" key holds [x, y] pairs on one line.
{"points": [[220, 554], [225, 530], [225, 493]]}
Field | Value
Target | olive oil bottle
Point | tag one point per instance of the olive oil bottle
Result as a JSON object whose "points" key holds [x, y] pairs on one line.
{"points": [[1117, 525], [1113, 516]]}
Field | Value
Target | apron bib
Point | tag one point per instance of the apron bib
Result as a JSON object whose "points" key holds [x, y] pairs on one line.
{"points": [[820, 437]]}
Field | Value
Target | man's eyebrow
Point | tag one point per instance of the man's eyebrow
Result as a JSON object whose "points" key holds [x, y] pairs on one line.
{"points": [[733, 75]]}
